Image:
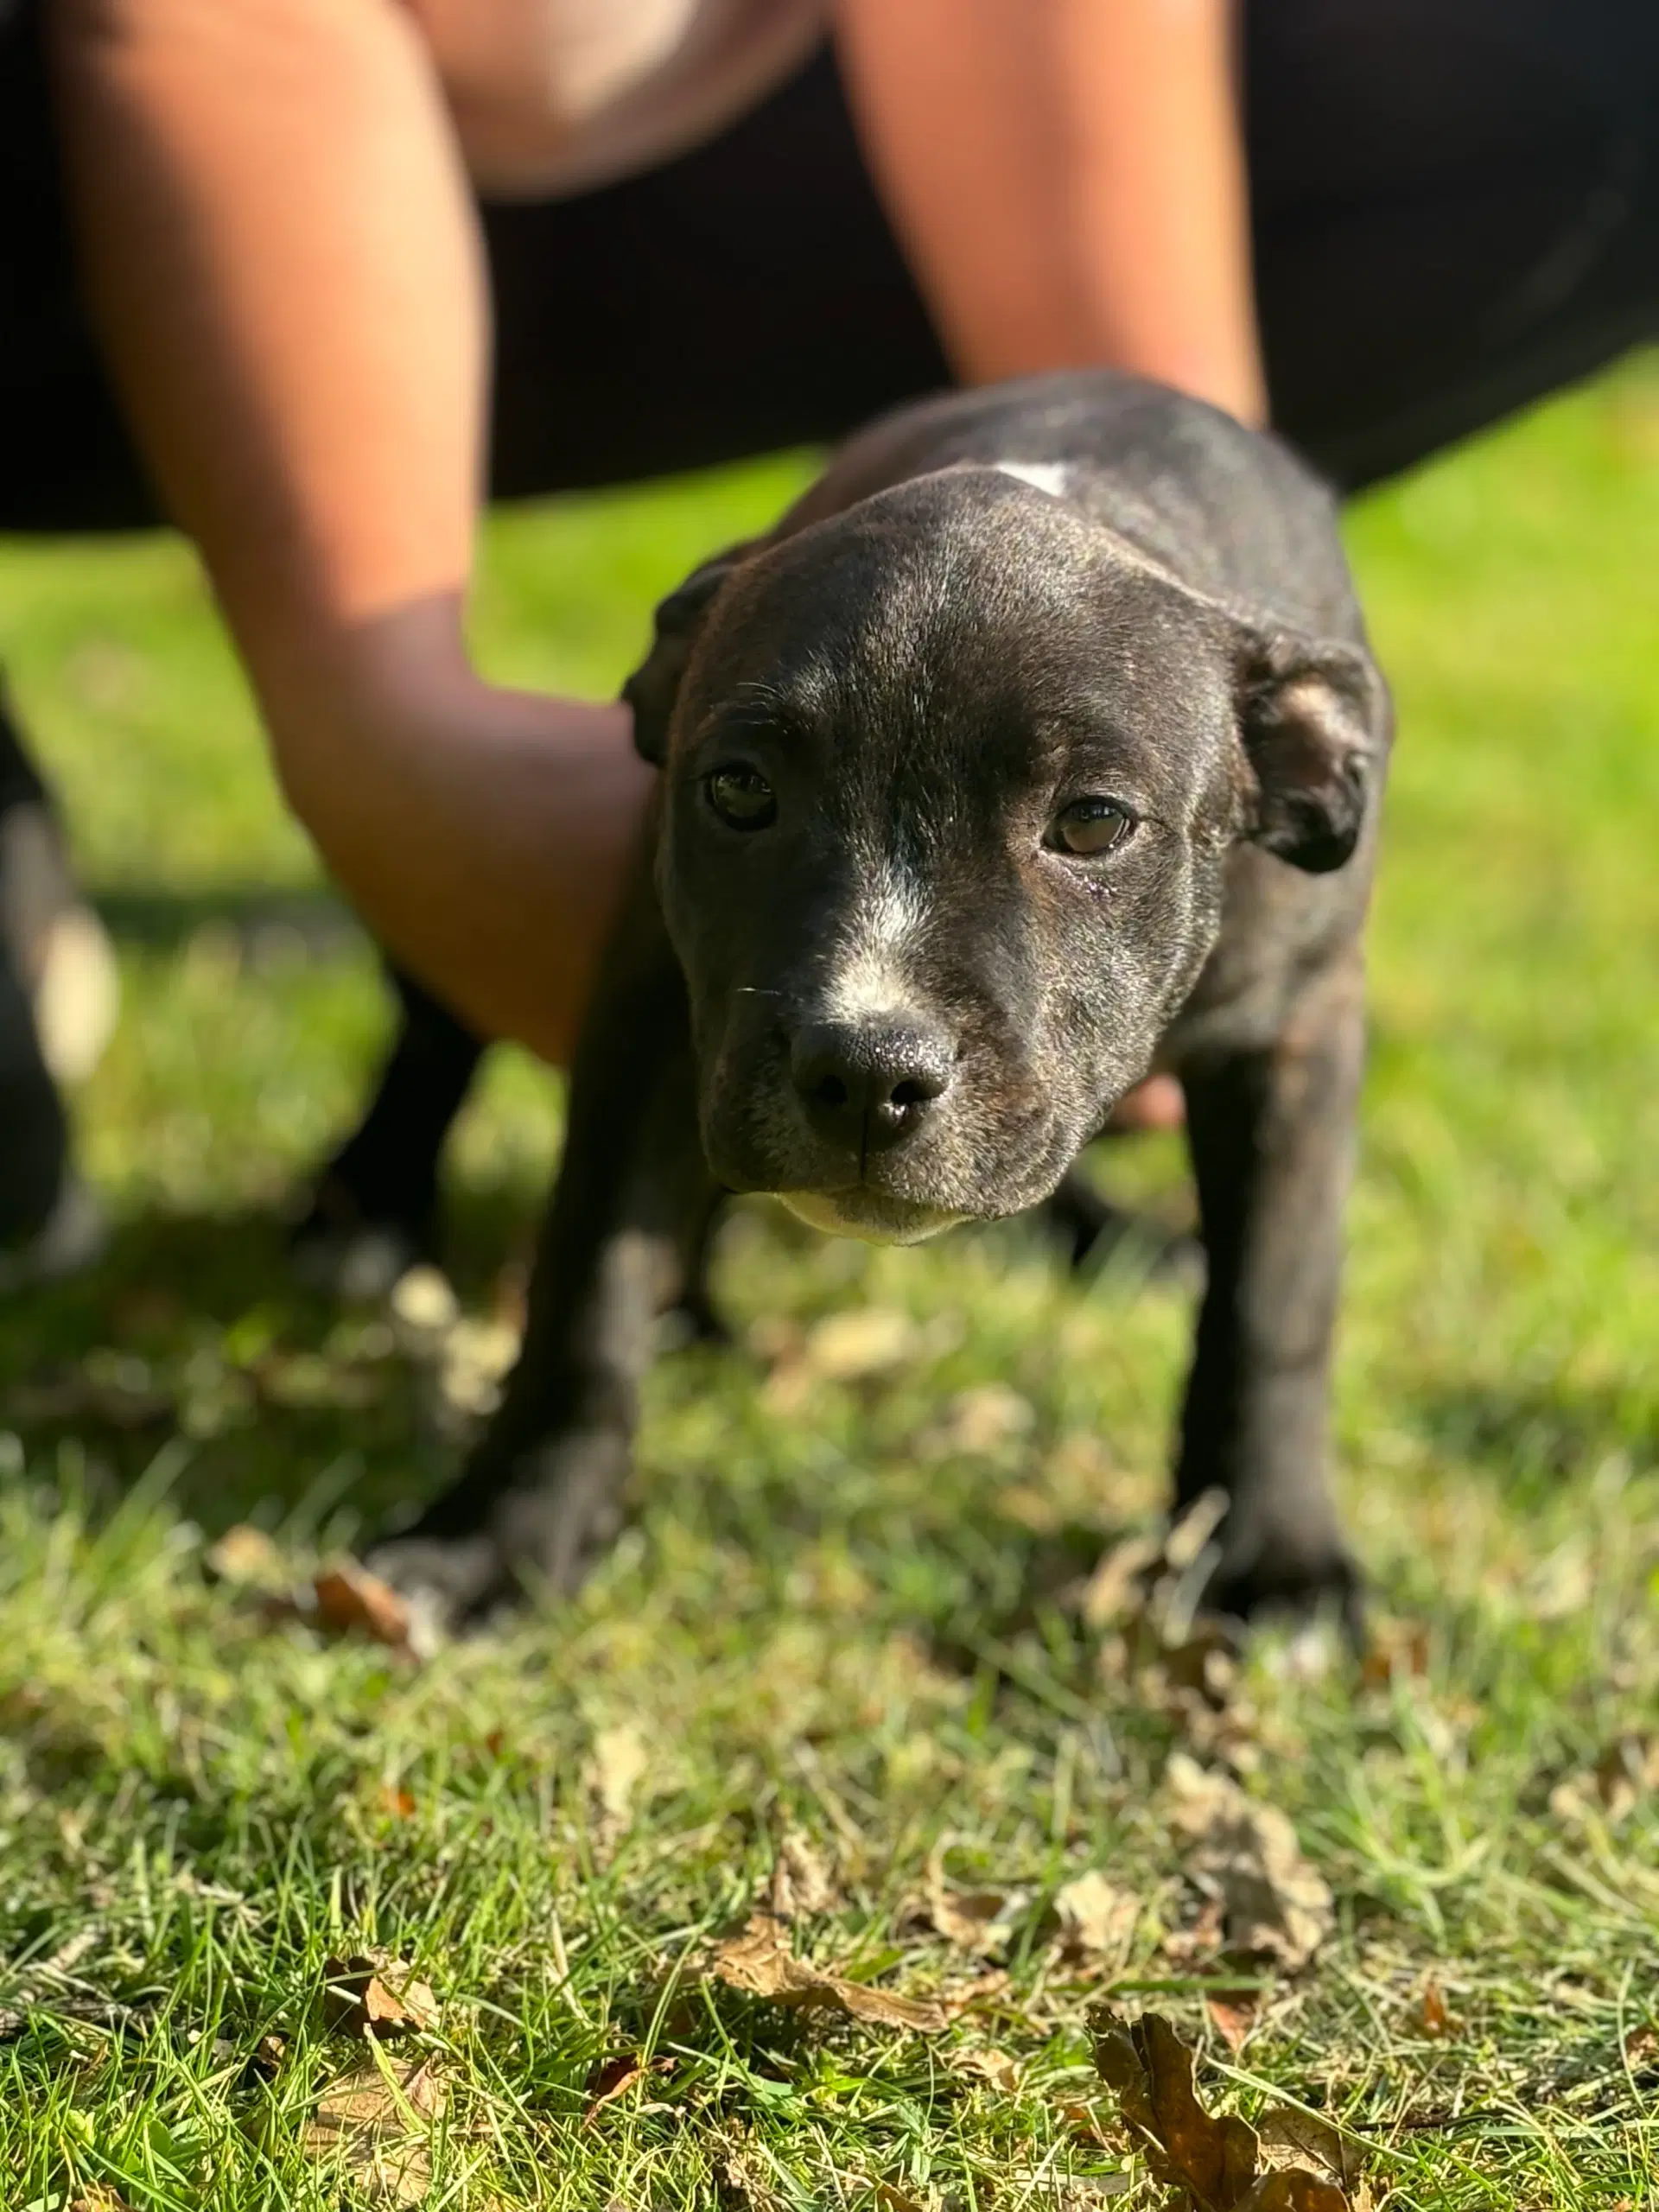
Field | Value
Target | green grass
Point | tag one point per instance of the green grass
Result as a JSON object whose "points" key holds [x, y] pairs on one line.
{"points": [[830, 1614]]}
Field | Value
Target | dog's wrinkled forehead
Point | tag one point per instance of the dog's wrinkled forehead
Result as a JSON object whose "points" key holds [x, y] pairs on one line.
{"points": [[953, 608]]}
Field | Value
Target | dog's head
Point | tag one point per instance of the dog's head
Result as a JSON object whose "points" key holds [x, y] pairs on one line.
{"points": [[952, 780]]}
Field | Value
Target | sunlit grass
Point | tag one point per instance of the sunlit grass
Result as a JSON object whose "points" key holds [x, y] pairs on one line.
{"points": [[829, 1613]]}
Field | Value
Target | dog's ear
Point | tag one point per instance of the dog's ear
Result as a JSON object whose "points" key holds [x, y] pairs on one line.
{"points": [[654, 685], [1312, 714]]}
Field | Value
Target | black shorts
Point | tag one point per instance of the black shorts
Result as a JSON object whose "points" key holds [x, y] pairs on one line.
{"points": [[1456, 209]]}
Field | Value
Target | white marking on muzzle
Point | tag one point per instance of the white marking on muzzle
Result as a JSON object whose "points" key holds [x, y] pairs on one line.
{"points": [[1048, 476], [867, 970]]}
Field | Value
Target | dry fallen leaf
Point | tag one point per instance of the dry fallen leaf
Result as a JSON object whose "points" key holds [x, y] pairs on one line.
{"points": [[1397, 1651], [759, 1961], [375, 2121], [1245, 1856], [865, 1341], [802, 1884], [247, 1557], [1208, 2161], [1097, 1919], [268, 2055], [1232, 2014], [349, 1600], [619, 1764], [609, 2077], [974, 1920], [1305, 2135], [1625, 1773], [979, 1423], [893, 2196], [995, 2067], [1115, 1587], [860, 1347], [370, 1994], [1434, 2017], [741, 2184]]}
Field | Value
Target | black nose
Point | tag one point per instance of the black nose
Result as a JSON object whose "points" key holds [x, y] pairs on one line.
{"points": [[865, 1085]]}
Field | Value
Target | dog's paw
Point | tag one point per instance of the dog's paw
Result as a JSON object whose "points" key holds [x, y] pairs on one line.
{"points": [[485, 1544], [1301, 1580]]}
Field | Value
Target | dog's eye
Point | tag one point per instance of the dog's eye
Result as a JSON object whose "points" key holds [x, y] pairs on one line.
{"points": [[1091, 826], [741, 797]]}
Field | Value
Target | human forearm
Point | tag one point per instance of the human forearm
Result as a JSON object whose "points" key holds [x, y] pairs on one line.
{"points": [[486, 834], [1069, 181], [282, 251]]}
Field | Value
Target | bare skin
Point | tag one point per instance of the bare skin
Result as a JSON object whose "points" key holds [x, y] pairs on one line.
{"points": [[281, 244]]}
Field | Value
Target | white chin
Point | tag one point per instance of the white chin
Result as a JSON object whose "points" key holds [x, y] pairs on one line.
{"points": [[868, 1215]]}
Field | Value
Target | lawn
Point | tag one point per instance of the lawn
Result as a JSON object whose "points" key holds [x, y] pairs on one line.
{"points": [[843, 1635]]}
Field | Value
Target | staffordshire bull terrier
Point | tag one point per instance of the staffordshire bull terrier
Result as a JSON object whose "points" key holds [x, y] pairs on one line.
{"points": [[1038, 747]]}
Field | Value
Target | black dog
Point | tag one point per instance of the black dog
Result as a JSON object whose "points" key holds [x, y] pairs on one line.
{"points": [[1038, 747]]}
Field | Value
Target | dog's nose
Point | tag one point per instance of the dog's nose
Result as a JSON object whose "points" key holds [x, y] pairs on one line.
{"points": [[865, 1085]]}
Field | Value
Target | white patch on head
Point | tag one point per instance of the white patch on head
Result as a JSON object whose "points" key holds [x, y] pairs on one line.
{"points": [[1050, 476], [867, 974]]}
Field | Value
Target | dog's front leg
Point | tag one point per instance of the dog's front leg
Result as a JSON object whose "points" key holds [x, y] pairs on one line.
{"points": [[1271, 1133], [541, 1496]]}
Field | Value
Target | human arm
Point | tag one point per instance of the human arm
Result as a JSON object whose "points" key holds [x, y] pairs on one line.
{"points": [[1068, 180], [285, 266]]}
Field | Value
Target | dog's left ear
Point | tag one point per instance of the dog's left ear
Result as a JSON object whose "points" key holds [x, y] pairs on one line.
{"points": [[1312, 714], [654, 685]]}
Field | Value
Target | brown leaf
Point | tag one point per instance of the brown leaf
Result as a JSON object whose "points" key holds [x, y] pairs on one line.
{"points": [[740, 2184], [1115, 1587], [1398, 1651], [1194, 1948], [1232, 2014], [1208, 2161], [619, 1763], [1150, 2069], [1625, 1773], [995, 2067], [247, 1557], [352, 1601], [865, 1341], [974, 1920], [1282, 2128], [369, 1994], [978, 1423], [759, 1961], [1097, 1920], [268, 2055], [1434, 2017], [1293, 2191], [1642, 2047], [609, 2077], [802, 1884], [1245, 1856], [893, 2198], [374, 2122]]}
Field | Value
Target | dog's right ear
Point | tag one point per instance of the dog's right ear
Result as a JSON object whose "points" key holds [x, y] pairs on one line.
{"points": [[654, 685]]}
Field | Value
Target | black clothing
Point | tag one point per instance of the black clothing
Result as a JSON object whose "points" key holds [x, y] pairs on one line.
{"points": [[1456, 209]]}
